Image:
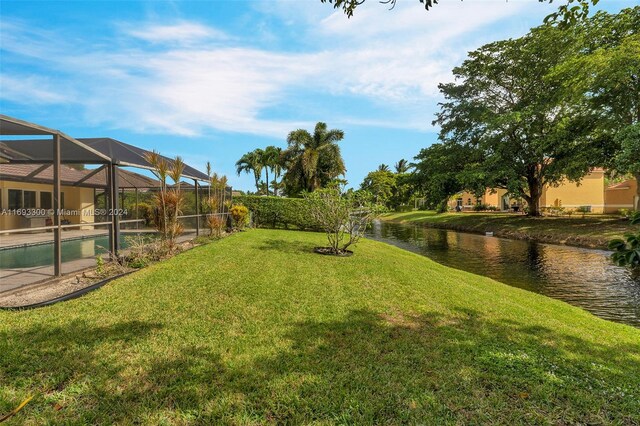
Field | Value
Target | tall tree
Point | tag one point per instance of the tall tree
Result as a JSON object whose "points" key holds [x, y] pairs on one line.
{"points": [[604, 75], [251, 162], [313, 160], [402, 166], [444, 169], [381, 184], [503, 104], [383, 168], [271, 159]]}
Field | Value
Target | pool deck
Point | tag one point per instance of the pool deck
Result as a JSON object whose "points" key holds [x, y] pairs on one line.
{"points": [[14, 278]]}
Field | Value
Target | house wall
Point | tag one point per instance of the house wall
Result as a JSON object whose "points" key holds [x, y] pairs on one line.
{"points": [[490, 198], [620, 196], [75, 198], [589, 192]]}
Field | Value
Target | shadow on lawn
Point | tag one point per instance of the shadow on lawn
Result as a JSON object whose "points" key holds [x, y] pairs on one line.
{"points": [[367, 368], [286, 246]]}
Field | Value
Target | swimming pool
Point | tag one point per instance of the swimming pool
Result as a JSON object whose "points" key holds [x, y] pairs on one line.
{"points": [[42, 254]]}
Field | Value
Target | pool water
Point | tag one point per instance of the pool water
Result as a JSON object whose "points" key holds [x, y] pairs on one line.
{"points": [[42, 254]]}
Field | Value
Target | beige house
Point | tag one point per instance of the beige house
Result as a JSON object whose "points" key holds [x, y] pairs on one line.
{"points": [[592, 194], [26, 194]]}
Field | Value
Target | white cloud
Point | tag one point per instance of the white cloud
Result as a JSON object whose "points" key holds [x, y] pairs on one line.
{"points": [[32, 89], [197, 77], [181, 32]]}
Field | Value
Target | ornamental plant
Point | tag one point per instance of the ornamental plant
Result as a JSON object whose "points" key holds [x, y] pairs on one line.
{"points": [[343, 217], [627, 250], [240, 216]]}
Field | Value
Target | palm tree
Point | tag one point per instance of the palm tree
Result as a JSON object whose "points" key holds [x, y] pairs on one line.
{"points": [[269, 159], [251, 162], [383, 168], [273, 159], [313, 160], [402, 166]]}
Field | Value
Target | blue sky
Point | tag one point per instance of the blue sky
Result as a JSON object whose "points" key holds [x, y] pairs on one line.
{"points": [[211, 80]]}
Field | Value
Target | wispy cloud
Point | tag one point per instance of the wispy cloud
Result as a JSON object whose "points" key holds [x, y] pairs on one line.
{"points": [[198, 77], [181, 32]]}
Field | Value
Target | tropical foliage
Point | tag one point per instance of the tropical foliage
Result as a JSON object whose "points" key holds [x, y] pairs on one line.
{"points": [[313, 161], [251, 162], [240, 216], [169, 201], [627, 250]]}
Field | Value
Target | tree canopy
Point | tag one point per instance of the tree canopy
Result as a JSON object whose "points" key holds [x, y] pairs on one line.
{"points": [[312, 161], [504, 104]]}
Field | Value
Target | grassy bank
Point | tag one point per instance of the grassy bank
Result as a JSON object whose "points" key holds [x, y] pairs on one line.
{"points": [[592, 231], [257, 329]]}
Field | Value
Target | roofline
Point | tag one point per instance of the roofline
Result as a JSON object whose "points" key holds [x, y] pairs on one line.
{"points": [[51, 132]]}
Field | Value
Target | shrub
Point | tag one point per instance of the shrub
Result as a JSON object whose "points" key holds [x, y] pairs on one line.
{"points": [[240, 215], [480, 207], [627, 251], [343, 217], [215, 224], [279, 212], [145, 211]]}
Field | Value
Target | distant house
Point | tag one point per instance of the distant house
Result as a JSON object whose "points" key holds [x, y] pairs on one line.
{"points": [[591, 193]]}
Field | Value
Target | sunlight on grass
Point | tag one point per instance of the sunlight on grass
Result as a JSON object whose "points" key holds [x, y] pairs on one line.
{"points": [[257, 329]]}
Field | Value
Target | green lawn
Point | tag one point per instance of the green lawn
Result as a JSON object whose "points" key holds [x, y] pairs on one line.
{"points": [[257, 329], [590, 231]]}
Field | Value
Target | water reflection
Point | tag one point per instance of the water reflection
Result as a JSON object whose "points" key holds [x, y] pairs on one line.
{"points": [[582, 277]]}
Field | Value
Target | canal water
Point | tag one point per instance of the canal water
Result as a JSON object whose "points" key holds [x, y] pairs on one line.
{"points": [[581, 277]]}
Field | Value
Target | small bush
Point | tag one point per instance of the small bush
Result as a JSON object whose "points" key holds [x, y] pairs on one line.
{"points": [[480, 207], [240, 215], [215, 224], [344, 217], [145, 211]]}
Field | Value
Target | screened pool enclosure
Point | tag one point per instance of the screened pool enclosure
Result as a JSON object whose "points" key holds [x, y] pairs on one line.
{"points": [[63, 201]]}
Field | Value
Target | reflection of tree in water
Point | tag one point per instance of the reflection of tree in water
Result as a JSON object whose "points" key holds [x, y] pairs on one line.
{"points": [[535, 257], [436, 239]]}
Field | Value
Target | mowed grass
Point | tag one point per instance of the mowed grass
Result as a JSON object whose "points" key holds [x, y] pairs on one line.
{"points": [[257, 329], [588, 231]]}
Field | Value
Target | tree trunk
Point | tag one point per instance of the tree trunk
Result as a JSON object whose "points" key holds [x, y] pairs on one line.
{"points": [[533, 200], [266, 171]]}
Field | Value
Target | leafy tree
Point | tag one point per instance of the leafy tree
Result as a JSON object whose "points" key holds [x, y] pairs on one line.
{"points": [[628, 158], [527, 131], [251, 162], [312, 160], [444, 169], [381, 184], [269, 157], [383, 168], [275, 161], [604, 75], [402, 166]]}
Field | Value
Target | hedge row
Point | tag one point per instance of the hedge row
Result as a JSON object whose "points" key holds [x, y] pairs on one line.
{"points": [[278, 212]]}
